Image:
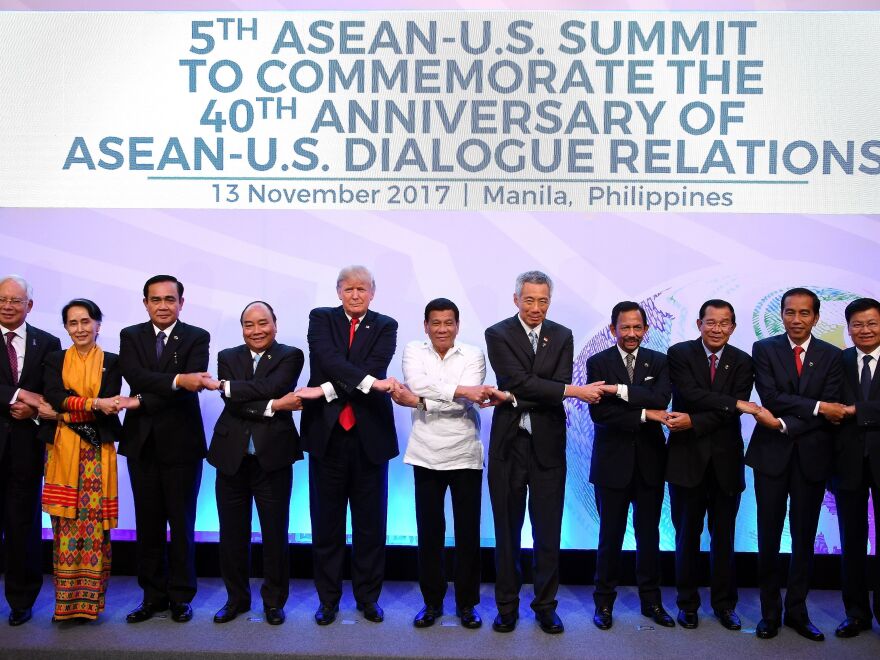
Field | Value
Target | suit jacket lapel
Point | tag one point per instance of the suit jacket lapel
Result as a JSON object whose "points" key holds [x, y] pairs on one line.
{"points": [[618, 368], [521, 340], [245, 364], [786, 357], [722, 369], [851, 373], [545, 345], [641, 367], [31, 359], [171, 344], [264, 366], [363, 334], [809, 359], [5, 368], [148, 340]]}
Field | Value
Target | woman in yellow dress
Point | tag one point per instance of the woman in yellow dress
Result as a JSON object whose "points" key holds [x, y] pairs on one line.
{"points": [[80, 491]]}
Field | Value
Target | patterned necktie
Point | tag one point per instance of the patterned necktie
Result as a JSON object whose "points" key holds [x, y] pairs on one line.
{"points": [[346, 417], [866, 377], [13, 356], [251, 448], [713, 359], [630, 366], [533, 338], [525, 422], [160, 344], [798, 362], [256, 361]]}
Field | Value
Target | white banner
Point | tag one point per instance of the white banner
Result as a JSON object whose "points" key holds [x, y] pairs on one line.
{"points": [[680, 112]]}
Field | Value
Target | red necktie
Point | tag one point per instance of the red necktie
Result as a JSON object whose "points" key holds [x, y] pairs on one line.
{"points": [[798, 363], [346, 417], [13, 356], [712, 360]]}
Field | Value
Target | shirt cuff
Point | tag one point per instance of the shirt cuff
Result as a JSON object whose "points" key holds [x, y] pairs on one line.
{"points": [[174, 386], [784, 428], [644, 417], [15, 396], [227, 388], [623, 393], [816, 409], [366, 384], [512, 400], [329, 391], [268, 412]]}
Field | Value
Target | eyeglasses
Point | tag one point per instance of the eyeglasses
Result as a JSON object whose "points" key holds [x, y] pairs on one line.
{"points": [[15, 302], [873, 326], [723, 325]]}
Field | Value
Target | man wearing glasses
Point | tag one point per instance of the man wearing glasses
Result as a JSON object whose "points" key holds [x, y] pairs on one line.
{"points": [[711, 384], [21, 452]]}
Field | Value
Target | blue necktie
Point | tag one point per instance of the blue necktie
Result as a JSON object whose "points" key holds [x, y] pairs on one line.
{"points": [[251, 448], [160, 344]]}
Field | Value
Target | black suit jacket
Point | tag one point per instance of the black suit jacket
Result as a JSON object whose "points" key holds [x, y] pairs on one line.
{"points": [[716, 432], [172, 417], [619, 436], [108, 426], [22, 435], [276, 439], [793, 400], [855, 434], [330, 360], [537, 380]]}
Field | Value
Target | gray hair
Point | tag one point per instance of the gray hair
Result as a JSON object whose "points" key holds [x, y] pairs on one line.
{"points": [[361, 273], [533, 277], [20, 281]]}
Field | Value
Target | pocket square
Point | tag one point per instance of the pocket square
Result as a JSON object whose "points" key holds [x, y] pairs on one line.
{"points": [[647, 378]]}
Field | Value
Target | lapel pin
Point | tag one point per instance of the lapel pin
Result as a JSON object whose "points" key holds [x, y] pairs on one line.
{"points": [[367, 327], [726, 367], [546, 339], [811, 364], [646, 365], [175, 337], [268, 357]]}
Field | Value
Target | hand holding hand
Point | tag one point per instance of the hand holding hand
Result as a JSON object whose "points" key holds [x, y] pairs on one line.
{"points": [[21, 410], [748, 407], [678, 421], [209, 382], [833, 412], [766, 418], [192, 382], [473, 393], [128, 402], [385, 384], [609, 390], [656, 415], [291, 401], [494, 397], [404, 396], [46, 411], [29, 398]]}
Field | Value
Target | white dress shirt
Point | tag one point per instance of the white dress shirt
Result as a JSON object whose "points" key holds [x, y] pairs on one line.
{"points": [[446, 435], [19, 343]]}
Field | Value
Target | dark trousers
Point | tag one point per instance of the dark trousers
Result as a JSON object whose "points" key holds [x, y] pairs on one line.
{"points": [[852, 517], [235, 497], [21, 476], [771, 495], [466, 487], [613, 506], [165, 494], [510, 481], [689, 506], [344, 476]]}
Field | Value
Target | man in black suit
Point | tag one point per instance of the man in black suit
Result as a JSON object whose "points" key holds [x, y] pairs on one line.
{"points": [[629, 460], [165, 362], [348, 430], [532, 359], [254, 446], [857, 463], [792, 452], [711, 384], [21, 451]]}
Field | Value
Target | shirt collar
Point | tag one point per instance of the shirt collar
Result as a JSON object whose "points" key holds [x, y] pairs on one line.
{"points": [[536, 329], [167, 331], [20, 331], [710, 352], [860, 354], [455, 348], [623, 353], [805, 345], [349, 317]]}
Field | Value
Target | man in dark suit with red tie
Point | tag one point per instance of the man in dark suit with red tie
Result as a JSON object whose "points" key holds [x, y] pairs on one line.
{"points": [[792, 452], [532, 359], [857, 464], [21, 451], [628, 465], [254, 446], [165, 362], [711, 384], [348, 430]]}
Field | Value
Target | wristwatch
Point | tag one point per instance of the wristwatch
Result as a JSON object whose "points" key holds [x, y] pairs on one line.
{"points": [[421, 404]]}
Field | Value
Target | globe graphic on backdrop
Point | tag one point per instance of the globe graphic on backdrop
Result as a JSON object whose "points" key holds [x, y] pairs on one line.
{"points": [[671, 319]]}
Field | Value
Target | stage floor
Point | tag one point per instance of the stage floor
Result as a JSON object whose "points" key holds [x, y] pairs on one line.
{"points": [[353, 637]]}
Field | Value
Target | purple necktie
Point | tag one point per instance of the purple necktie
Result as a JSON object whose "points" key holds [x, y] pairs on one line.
{"points": [[160, 345], [13, 356]]}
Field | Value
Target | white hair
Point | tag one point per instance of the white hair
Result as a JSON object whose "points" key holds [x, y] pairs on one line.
{"points": [[360, 273], [20, 281], [533, 277]]}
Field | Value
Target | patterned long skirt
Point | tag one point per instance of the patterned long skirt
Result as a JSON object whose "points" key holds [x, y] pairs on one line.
{"points": [[81, 549]]}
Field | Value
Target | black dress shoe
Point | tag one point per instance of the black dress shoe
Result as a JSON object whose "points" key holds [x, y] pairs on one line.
{"points": [[181, 612], [275, 616], [729, 619], [659, 615], [469, 616], [145, 611], [18, 617], [372, 612], [766, 629], [602, 618], [805, 628], [688, 619], [505, 623], [228, 612], [427, 616], [550, 622], [326, 614], [850, 627]]}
